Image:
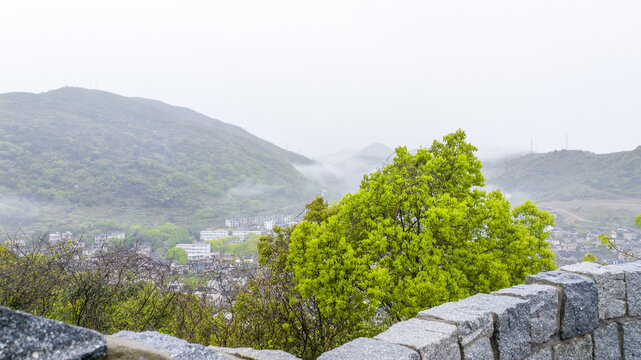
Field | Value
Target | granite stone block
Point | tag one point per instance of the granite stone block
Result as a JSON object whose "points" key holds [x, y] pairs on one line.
{"points": [[368, 349], [26, 336], [544, 308], [579, 299], [125, 349], [610, 283], [574, 349], [606, 342], [543, 354], [480, 349], [254, 354], [178, 349], [511, 323], [632, 339], [632, 273], [471, 323], [433, 340]]}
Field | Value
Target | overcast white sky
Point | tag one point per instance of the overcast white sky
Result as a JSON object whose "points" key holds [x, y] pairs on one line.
{"points": [[317, 77]]}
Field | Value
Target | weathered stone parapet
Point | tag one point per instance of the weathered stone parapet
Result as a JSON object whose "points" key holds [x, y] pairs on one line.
{"points": [[579, 309], [583, 311]]}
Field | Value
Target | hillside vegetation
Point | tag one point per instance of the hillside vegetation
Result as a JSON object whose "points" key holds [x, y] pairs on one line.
{"points": [[90, 148], [570, 175]]}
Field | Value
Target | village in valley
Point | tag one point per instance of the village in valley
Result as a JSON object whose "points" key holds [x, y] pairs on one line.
{"points": [[218, 274]]}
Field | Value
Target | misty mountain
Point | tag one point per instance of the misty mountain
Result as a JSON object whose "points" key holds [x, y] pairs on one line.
{"points": [[570, 175], [90, 148], [342, 172]]}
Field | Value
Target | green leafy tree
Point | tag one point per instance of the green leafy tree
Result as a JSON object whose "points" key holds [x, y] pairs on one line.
{"points": [[178, 254], [418, 233]]}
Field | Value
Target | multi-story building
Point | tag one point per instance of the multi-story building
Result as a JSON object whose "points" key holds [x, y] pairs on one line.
{"points": [[196, 251], [213, 234]]}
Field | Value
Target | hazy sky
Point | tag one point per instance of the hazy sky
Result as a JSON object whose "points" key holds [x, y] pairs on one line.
{"points": [[320, 76]]}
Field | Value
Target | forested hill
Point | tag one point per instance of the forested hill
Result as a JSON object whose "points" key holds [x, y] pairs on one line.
{"points": [[90, 147], [570, 175]]}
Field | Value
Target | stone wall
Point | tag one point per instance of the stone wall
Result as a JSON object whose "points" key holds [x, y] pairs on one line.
{"points": [[583, 311]]}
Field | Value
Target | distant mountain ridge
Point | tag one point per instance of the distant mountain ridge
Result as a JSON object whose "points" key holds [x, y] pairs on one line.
{"points": [[90, 147], [570, 175]]}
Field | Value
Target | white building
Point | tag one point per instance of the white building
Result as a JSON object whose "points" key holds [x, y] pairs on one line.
{"points": [[54, 237], [214, 234], [196, 251]]}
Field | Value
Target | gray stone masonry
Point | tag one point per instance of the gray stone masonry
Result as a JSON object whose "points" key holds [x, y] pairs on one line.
{"points": [[632, 273], [26, 336], [253, 354], [606, 342], [475, 327], [433, 340], [543, 354], [544, 309], [579, 311], [511, 323], [632, 339], [610, 283], [584, 311], [574, 349], [370, 349], [480, 349], [178, 349]]}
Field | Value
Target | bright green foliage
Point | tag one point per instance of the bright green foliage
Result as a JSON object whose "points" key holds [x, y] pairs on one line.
{"points": [[271, 313], [418, 233], [233, 246], [178, 254]]}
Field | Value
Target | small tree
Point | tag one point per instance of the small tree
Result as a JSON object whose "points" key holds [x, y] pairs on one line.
{"points": [[178, 254]]}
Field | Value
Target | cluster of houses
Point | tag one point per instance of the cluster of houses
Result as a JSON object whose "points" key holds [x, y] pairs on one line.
{"points": [[100, 240], [264, 223], [570, 246]]}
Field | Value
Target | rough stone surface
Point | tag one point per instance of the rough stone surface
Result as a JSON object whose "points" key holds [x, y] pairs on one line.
{"points": [[574, 349], [368, 349], [471, 323], [579, 311], [606, 342], [543, 354], [632, 273], [178, 349], [26, 336], [481, 349], [632, 339], [610, 283], [511, 323], [433, 340], [544, 309], [253, 354], [125, 349]]}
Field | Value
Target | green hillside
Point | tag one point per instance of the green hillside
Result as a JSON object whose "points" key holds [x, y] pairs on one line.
{"points": [[570, 175], [89, 149]]}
